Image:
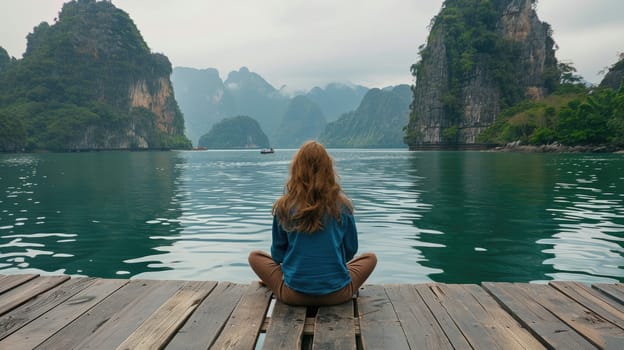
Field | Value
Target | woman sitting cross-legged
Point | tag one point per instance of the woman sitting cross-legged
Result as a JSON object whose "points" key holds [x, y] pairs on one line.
{"points": [[312, 260]]}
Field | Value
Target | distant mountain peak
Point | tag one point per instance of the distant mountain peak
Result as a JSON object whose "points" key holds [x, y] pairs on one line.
{"points": [[244, 78], [337, 98], [377, 122]]}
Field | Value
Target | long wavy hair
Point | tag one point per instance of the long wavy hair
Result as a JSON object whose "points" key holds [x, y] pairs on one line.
{"points": [[311, 192]]}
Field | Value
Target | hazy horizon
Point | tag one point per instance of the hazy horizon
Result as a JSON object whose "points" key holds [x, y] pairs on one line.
{"points": [[301, 44]]}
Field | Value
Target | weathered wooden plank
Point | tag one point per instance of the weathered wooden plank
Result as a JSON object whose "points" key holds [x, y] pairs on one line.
{"points": [[402, 306], [285, 327], [380, 327], [241, 330], [593, 300], [125, 320], [8, 282], [308, 327], [156, 331], [24, 292], [434, 304], [596, 329], [471, 319], [18, 317], [494, 317], [48, 313], [88, 323], [42, 328], [615, 291], [202, 328], [533, 316], [334, 328]]}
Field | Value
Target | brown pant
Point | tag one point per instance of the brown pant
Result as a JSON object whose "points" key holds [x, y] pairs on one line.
{"points": [[271, 274]]}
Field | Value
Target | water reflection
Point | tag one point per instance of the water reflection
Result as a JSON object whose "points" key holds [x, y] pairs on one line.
{"points": [[588, 209], [488, 211], [84, 213], [225, 200], [455, 217], [387, 194]]}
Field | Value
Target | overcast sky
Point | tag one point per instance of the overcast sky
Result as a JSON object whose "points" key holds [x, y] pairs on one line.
{"points": [[303, 44]]}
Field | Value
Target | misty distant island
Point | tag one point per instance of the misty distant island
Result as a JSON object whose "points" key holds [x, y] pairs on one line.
{"points": [[339, 114], [240, 132]]}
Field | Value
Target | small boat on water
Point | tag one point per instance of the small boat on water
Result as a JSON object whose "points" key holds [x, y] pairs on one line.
{"points": [[267, 150]]}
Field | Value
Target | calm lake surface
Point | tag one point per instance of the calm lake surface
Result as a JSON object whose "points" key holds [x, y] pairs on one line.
{"points": [[454, 217]]}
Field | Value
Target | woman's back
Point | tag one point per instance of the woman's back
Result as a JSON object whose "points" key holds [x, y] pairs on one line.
{"points": [[316, 263], [314, 237]]}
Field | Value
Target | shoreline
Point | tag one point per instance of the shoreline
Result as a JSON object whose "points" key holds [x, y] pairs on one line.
{"points": [[510, 147], [557, 148], [519, 148]]}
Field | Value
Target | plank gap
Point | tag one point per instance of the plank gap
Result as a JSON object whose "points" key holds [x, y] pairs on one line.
{"points": [[308, 328]]}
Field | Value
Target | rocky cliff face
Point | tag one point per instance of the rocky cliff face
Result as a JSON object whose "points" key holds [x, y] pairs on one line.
{"points": [[615, 76], [432, 85], [153, 112], [89, 81], [470, 70], [158, 101], [520, 24]]}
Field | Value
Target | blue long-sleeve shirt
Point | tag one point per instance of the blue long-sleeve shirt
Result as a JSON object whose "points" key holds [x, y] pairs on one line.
{"points": [[316, 263]]}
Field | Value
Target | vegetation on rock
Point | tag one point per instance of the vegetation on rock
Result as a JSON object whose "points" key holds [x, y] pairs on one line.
{"points": [[486, 51], [574, 115], [86, 82], [582, 117], [481, 56]]}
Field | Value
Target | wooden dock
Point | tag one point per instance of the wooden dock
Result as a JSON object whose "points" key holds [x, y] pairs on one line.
{"points": [[59, 312]]}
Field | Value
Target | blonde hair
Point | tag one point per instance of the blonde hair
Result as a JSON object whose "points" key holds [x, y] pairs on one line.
{"points": [[311, 192]]}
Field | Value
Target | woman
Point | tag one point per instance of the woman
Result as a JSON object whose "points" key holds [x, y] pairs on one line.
{"points": [[314, 237]]}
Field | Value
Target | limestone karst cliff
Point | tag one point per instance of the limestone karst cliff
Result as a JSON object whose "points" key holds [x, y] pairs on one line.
{"points": [[89, 81], [615, 75], [158, 101], [480, 57]]}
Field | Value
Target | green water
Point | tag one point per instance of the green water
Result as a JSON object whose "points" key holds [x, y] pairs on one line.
{"points": [[456, 217]]}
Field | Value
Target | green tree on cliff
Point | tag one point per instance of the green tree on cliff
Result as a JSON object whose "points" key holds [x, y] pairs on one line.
{"points": [[72, 86], [481, 56], [598, 120], [470, 36]]}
